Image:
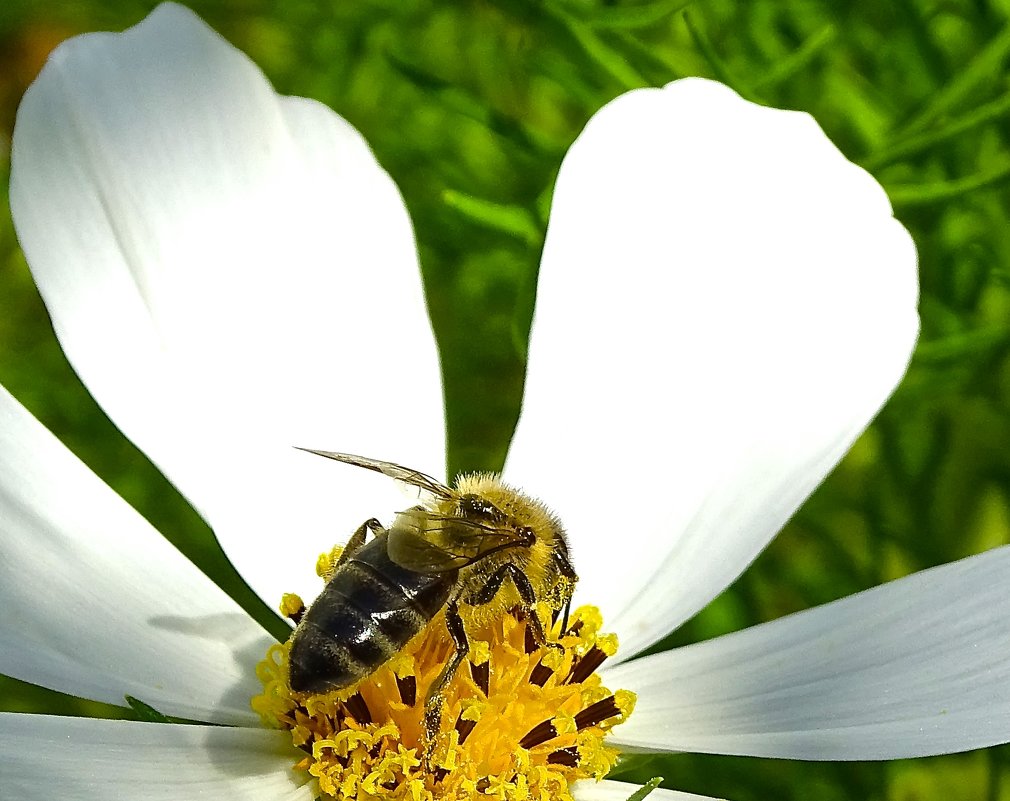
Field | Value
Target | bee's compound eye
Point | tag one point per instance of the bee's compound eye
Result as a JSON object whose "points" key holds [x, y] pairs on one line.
{"points": [[476, 506]]}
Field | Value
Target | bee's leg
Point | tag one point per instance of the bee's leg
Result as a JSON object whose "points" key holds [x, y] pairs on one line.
{"points": [[358, 539], [564, 566], [565, 569], [487, 593], [436, 692]]}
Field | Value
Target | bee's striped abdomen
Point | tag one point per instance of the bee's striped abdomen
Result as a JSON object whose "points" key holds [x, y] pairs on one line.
{"points": [[369, 610]]}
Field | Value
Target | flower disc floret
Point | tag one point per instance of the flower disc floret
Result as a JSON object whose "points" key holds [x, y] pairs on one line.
{"points": [[520, 722]]}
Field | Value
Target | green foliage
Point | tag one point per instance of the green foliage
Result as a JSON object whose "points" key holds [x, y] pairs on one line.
{"points": [[471, 105]]}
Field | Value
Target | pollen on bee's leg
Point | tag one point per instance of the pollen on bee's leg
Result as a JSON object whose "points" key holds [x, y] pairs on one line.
{"points": [[520, 721]]}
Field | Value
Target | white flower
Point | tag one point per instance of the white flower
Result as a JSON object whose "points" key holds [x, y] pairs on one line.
{"points": [[724, 303]]}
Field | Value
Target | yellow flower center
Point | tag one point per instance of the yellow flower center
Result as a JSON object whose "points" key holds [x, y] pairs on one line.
{"points": [[519, 722]]}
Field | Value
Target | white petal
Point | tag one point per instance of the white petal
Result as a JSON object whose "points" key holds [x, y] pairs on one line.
{"points": [[231, 274], [97, 603], [622, 791], [81, 759], [916, 667], [724, 303]]}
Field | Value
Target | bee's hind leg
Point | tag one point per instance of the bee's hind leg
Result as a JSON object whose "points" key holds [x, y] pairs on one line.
{"points": [[436, 692], [487, 593], [358, 539]]}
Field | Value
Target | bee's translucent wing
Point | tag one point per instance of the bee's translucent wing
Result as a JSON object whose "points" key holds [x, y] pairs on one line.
{"points": [[426, 542], [404, 474]]}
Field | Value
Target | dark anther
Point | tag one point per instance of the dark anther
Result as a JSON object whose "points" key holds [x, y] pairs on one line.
{"points": [[564, 756], [585, 667], [334, 754], [518, 613], [407, 686], [540, 674], [483, 784], [575, 628], [564, 620], [481, 675], [464, 727], [439, 774], [530, 643], [358, 709], [595, 713], [540, 733]]}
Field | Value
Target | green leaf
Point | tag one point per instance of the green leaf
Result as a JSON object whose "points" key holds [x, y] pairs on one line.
{"points": [[798, 61], [719, 67], [984, 69], [632, 17], [602, 54], [939, 191], [646, 788], [957, 347], [910, 145], [146, 712], [512, 220]]}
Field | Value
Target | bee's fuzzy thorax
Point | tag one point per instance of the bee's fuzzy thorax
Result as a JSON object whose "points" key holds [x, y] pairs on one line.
{"points": [[535, 563]]}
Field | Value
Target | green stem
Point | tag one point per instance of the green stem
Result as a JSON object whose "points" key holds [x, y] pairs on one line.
{"points": [[938, 191]]}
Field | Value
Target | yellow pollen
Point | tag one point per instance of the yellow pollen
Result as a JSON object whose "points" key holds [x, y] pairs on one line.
{"points": [[327, 561], [291, 605], [515, 726]]}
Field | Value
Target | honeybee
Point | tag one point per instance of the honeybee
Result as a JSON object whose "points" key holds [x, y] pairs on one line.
{"points": [[479, 544]]}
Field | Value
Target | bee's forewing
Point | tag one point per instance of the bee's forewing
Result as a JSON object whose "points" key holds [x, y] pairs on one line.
{"points": [[413, 477]]}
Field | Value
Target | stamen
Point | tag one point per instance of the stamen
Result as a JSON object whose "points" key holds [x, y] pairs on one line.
{"points": [[292, 607], [540, 674], [540, 733], [358, 709], [481, 675], [583, 668], [406, 686], [529, 643], [464, 727], [597, 713], [564, 756]]}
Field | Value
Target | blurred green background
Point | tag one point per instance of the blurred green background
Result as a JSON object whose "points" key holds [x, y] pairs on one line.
{"points": [[471, 106]]}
